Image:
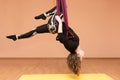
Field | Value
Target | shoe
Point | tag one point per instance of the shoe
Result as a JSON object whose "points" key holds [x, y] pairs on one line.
{"points": [[13, 37]]}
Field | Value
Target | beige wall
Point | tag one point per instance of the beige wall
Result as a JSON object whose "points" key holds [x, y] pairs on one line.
{"points": [[97, 22]]}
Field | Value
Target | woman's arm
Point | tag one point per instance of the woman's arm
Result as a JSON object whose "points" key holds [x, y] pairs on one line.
{"points": [[60, 30], [61, 37]]}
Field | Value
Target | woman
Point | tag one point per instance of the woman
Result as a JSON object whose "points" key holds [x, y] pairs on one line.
{"points": [[66, 36]]}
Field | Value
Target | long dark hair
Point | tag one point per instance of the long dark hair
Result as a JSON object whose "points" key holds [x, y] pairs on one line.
{"points": [[74, 63]]}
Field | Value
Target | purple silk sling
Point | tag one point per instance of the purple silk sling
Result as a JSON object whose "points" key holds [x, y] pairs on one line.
{"points": [[62, 4]]}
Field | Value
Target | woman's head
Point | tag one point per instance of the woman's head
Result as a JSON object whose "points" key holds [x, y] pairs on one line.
{"points": [[74, 63]]}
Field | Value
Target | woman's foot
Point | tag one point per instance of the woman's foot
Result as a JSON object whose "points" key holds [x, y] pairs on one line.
{"points": [[13, 37]]}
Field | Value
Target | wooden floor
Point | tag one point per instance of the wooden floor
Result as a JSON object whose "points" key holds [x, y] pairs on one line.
{"points": [[12, 69]]}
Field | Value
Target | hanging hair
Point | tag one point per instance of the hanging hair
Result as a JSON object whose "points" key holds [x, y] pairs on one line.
{"points": [[74, 63]]}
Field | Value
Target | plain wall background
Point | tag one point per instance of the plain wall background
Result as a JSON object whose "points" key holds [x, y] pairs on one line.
{"points": [[97, 22]]}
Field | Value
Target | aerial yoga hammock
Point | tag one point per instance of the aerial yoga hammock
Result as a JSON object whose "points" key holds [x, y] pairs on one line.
{"points": [[62, 8], [65, 34]]}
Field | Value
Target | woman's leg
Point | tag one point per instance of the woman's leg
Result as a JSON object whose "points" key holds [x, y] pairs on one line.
{"points": [[39, 29]]}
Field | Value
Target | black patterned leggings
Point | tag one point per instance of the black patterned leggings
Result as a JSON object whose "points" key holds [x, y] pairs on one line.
{"points": [[40, 29]]}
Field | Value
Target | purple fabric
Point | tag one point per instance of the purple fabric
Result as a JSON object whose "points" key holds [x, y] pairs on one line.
{"points": [[64, 11], [58, 6]]}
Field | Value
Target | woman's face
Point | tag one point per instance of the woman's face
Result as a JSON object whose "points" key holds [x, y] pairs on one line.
{"points": [[79, 51]]}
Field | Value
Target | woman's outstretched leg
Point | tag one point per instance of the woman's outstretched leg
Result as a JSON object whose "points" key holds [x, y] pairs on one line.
{"points": [[39, 29]]}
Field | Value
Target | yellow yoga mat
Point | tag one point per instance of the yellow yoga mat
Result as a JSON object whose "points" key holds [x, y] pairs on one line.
{"points": [[65, 77]]}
